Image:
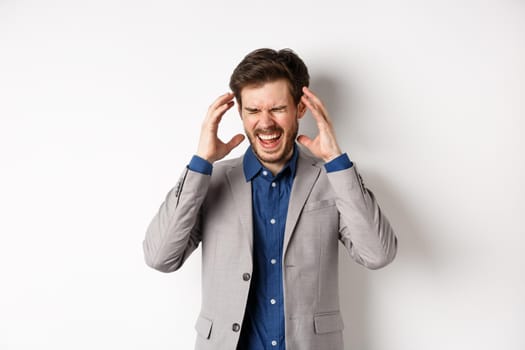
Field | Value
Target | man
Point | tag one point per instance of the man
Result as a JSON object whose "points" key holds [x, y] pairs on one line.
{"points": [[270, 221]]}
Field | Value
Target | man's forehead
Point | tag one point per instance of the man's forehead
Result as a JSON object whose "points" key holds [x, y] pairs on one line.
{"points": [[264, 94]]}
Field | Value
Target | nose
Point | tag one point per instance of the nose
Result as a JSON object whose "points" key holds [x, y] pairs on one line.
{"points": [[266, 119]]}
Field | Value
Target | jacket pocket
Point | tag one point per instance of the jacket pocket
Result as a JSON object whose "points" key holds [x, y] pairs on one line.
{"points": [[328, 322], [318, 205], [203, 327]]}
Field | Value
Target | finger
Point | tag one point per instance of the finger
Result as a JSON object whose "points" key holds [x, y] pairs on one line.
{"points": [[319, 117], [316, 102], [234, 142], [215, 116], [313, 97], [305, 141], [222, 99]]}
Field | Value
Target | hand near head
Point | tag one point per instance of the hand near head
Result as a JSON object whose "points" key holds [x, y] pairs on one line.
{"points": [[324, 145], [211, 147]]}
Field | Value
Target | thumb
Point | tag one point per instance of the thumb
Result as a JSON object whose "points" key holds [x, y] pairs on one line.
{"points": [[235, 141], [305, 141]]}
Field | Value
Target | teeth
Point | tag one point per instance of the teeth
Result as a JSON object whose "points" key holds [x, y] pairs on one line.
{"points": [[268, 137]]}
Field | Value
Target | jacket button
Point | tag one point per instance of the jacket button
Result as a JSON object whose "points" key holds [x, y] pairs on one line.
{"points": [[246, 276], [236, 327]]}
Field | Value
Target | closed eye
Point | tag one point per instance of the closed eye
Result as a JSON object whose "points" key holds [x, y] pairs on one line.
{"points": [[278, 109], [251, 110]]}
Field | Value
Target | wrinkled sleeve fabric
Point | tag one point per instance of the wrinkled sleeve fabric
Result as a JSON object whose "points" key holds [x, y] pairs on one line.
{"points": [[363, 228], [174, 233]]}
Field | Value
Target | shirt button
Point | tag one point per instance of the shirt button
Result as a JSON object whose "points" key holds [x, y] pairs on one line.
{"points": [[265, 173], [274, 343], [246, 276], [274, 184], [272, 301], [236, 327], [272, 221], [273, 261]]}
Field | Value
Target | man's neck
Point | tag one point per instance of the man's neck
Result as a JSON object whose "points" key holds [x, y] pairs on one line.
{"points": [[275, 168]]}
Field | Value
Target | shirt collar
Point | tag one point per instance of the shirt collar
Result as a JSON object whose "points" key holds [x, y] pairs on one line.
{"points": [[252, 166]]}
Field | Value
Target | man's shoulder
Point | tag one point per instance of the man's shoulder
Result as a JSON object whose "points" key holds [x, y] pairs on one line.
{"points": [[308, 157], [223, 166]]}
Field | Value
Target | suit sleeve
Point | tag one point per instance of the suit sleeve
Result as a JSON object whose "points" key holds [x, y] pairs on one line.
{"points": [[174, 233], [363, 228]]}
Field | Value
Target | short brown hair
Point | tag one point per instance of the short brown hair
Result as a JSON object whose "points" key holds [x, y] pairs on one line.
{"points": [[267, 65]]}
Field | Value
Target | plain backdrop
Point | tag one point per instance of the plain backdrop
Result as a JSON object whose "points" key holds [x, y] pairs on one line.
{"points": [[100, 108]]}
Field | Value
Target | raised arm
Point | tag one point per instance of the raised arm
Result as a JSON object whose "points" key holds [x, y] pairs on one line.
{"points": [[174, 233], [364, 229]]}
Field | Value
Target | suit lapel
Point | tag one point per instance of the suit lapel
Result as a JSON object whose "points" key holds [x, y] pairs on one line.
{"points": [[306, 175], [242, 196]]}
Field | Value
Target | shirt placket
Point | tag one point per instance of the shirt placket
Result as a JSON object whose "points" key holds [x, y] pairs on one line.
{"points": [[273, 264]]}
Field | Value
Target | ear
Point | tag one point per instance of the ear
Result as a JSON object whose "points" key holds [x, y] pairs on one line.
{"points": [[301, 110]]}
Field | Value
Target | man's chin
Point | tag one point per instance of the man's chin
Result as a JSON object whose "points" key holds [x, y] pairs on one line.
{"points": [[270, 158]]}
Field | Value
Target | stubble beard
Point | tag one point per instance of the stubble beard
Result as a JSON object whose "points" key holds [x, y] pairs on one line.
{"points": [[278, 156]]}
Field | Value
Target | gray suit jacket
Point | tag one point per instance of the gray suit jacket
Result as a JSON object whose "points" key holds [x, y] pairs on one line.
{"points": [[216, 210]]}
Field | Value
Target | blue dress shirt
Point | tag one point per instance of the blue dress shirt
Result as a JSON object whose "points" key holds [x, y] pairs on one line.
{"points": [[263, 327]]}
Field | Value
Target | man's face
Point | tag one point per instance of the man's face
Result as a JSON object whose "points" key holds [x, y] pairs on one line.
{"points": [[270, 120]]}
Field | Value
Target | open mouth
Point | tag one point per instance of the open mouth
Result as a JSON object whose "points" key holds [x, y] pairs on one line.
{"points": [[269, 140]]}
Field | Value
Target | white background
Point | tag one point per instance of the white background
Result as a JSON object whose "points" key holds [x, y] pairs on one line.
{"points": [[100, 108]]}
